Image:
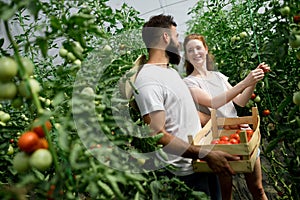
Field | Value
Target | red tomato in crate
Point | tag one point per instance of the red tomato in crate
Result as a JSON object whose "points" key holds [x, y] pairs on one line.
{"points": [[233, 141], [224, 138], [235, 136], [216, 141], [224, 142], [249, 134]]}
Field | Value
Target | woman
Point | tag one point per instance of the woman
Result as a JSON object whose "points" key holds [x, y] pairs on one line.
{"points": [[212, 90]]}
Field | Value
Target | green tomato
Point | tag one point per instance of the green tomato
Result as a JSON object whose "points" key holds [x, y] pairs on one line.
{"points": [[296, 98], [77, 62], [285, 11], [10, 150], [294, 41], [141, 161], [250, 104], [28, 65], [243, 34], [4, 117], [8, 69], [233, 39], [71, 56], [41, 159], [34, 86], [8, 90], [257, 99], [17, 102], [63, 52], [298, 56], [77, 47], [107, 49], [88, 91], [21, 162]]}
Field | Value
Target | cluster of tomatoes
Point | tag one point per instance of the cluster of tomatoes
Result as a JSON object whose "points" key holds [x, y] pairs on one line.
{"points": [[14, 80], [255, 98], [33, 150], [234, 138], [72, 52]]}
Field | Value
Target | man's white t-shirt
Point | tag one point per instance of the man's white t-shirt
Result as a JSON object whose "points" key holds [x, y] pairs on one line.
{"points": [[214, 84], [163, 89]]}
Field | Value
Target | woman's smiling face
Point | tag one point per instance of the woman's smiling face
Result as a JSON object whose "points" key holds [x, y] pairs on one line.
{"points": [[196, 52]]}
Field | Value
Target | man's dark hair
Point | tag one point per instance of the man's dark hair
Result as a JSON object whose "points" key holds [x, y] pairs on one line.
{"points": [[154, 28]]}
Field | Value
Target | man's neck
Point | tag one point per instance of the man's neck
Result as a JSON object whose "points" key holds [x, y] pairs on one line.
{"points": [[158, 57]]}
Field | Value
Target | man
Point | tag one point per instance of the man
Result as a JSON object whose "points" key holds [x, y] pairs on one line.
{"points": [[167, 106]]}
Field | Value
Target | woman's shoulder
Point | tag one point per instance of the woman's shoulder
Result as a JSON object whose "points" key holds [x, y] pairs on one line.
{"points": [[220, 75], [190, 80]]}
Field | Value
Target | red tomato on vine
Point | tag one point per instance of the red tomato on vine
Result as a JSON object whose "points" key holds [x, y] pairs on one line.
{"points": [[266, 112]]}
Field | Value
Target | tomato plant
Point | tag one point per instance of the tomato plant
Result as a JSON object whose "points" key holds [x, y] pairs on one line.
{"points": [[272, 30]]}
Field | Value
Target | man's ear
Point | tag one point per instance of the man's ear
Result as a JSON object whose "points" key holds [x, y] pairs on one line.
{"points": [[166, 37]]}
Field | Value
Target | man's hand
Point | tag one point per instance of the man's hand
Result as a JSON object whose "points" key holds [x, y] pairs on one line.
{"points": [[204, 118], [218, 162]]}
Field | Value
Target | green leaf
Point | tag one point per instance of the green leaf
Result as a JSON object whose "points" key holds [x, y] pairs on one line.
{"points": [[58, 99], [284, 103], [38, 174], [34, 8], [107, 190], [155, 186], [55, 23], [272, 145], [43, 44], [6, 11]]}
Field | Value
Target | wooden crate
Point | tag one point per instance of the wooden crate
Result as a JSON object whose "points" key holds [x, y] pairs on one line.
{"points": [[247, 150]]}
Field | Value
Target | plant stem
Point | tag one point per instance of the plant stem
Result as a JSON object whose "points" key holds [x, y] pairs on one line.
{"points": [[35, 98]]}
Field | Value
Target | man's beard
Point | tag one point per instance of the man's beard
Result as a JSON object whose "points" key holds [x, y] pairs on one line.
{"points": [[172, 52]]}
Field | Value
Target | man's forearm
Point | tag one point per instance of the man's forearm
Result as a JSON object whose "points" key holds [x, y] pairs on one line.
{"points": [[177, 146]]}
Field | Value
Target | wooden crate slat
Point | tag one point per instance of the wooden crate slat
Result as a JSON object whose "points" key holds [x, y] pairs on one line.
{"points": [[214, 123], [242, 149], [235, 121], [255, 116], [204, 131]]}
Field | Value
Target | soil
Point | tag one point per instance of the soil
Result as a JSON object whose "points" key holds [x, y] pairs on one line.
{"points": [[240, 189]]}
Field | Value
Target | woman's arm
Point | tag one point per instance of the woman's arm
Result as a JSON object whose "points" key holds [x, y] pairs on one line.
{"points": [[240, 93], [244, 97]]}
